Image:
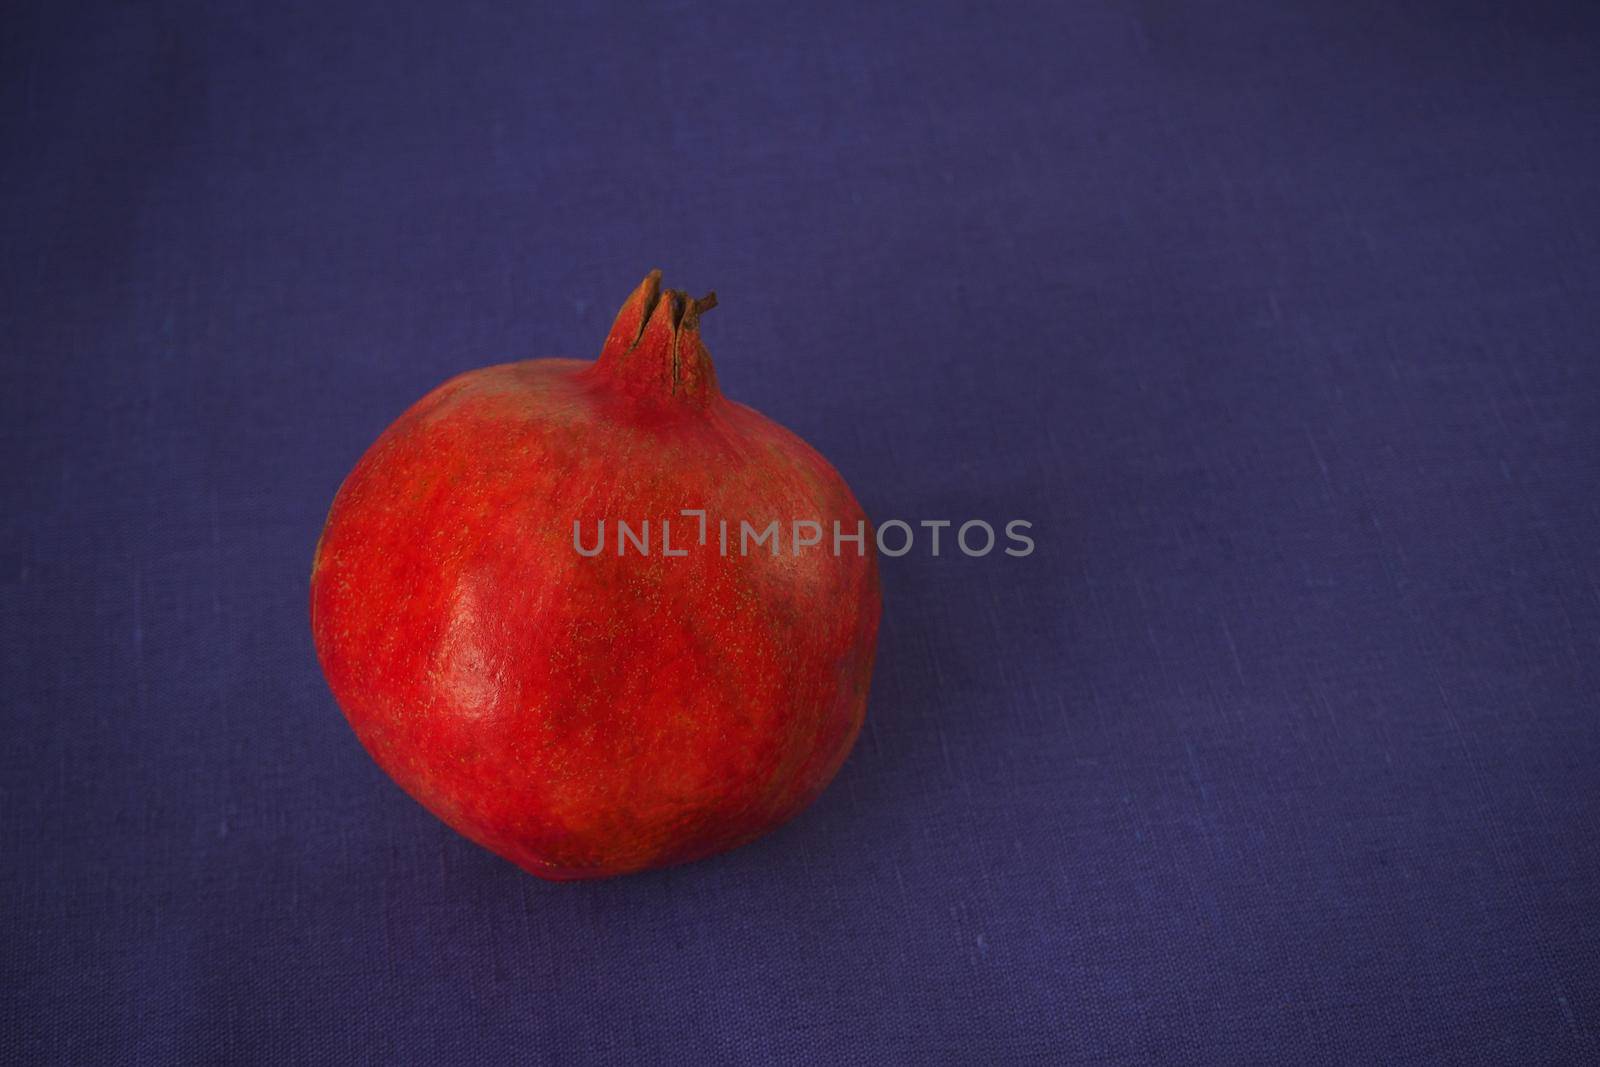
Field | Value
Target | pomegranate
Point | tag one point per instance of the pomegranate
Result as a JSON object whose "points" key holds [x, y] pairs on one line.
{"points": [[590, 711]]}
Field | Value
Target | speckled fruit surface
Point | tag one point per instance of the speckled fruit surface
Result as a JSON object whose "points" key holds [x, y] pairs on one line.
{"points": [[586, 716]]}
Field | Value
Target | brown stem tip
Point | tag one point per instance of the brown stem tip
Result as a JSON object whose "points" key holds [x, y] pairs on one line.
{"points": [[691, 317]]}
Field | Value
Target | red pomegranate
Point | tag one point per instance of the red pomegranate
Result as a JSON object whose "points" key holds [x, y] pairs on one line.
{"points": [[583, 714]]}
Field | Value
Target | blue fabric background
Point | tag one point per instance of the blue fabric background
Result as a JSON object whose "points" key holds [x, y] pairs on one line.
{"points": [[1278, 319]]}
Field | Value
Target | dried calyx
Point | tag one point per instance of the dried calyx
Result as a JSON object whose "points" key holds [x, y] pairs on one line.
{"points": [[654, 350]]}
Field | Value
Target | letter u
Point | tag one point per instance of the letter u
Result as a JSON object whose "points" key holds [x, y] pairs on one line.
{"points": [[577, 540]]}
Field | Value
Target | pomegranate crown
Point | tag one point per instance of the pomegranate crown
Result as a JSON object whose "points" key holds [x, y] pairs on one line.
{"points": [[654, 351]]}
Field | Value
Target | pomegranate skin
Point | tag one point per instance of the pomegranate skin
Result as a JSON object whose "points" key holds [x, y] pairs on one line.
{"points": [[588, 716]]}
